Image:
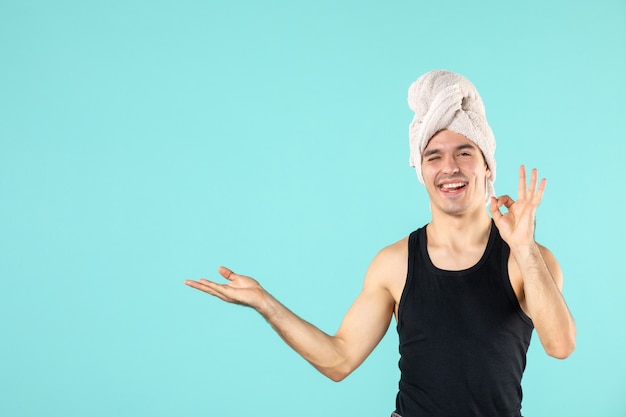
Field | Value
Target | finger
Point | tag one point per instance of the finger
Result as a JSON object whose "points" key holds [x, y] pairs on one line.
{"points": [[219, 290], [532, 188], [542, 186], [521, 185], [506, 201], [202, 285], [226, 273], [211, 288], [494, 209]]}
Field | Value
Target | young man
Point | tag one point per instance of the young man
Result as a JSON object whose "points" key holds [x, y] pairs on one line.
{"points": [[466, 289]]}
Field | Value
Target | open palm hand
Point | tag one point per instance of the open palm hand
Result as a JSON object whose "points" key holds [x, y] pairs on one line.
{"points": [[240, 289]]}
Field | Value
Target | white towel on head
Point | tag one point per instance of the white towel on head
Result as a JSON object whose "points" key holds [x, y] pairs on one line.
{"points": [[445, 100]]}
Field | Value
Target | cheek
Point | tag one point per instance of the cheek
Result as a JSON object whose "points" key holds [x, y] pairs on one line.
{"points": [[475, 168], [427, 172]]}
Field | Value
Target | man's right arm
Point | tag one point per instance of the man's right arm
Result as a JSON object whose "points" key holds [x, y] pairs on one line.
{"points": [[364, 325]]}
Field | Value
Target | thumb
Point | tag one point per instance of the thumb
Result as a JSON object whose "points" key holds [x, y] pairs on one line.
{"points": [[226, 273]]}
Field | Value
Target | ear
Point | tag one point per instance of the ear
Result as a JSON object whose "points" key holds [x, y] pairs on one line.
{"points": [[487, 171]]}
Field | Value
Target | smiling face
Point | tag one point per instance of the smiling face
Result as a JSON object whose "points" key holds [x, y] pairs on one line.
{"points": [[455, 174]]}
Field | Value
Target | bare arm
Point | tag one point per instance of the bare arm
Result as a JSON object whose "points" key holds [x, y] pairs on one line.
{"points": [[335, 356], [541, 274]]}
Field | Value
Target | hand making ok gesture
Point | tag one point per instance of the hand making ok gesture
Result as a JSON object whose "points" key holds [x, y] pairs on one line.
{"points": [[517, 226]]}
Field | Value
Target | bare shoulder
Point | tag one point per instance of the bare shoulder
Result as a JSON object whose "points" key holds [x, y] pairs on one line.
{"points": [[391, 259], [388, 269]]}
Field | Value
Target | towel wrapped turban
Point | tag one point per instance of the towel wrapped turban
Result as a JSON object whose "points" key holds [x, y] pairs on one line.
{"points": [[445, 100]]}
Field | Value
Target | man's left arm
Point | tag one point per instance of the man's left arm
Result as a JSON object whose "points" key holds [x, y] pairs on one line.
{"points": [[540, 271]]}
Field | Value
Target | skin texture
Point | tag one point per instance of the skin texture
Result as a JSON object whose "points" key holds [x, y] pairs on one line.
{"points": [[454, 174]]}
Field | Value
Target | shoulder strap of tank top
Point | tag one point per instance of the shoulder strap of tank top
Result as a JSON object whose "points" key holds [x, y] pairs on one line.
{"points": [[413, 258]]}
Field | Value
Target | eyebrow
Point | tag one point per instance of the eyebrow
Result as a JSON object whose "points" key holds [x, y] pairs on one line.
{"points": [[458, 148]]}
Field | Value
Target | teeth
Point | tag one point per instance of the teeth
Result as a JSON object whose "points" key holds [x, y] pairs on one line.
{"points": [[453, 185]]}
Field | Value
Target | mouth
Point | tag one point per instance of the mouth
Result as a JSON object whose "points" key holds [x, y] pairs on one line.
{"points": [[453, 187]]}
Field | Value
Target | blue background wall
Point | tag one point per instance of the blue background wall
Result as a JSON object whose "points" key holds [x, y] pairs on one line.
{"points": [[143, 143]]}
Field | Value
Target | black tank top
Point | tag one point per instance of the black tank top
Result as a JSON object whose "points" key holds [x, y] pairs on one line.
{"points": [[463, 337]]}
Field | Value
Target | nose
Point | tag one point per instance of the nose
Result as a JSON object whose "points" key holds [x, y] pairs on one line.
{"points": [[449, 165]]}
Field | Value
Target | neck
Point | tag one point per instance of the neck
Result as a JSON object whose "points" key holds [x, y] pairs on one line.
{"points": [[459, 230]]}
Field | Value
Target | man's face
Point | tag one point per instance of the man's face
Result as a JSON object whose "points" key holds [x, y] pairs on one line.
{"points": [[455, 173]]}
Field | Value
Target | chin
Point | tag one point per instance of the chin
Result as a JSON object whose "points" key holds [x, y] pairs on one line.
{"points": [[455, 209]]}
